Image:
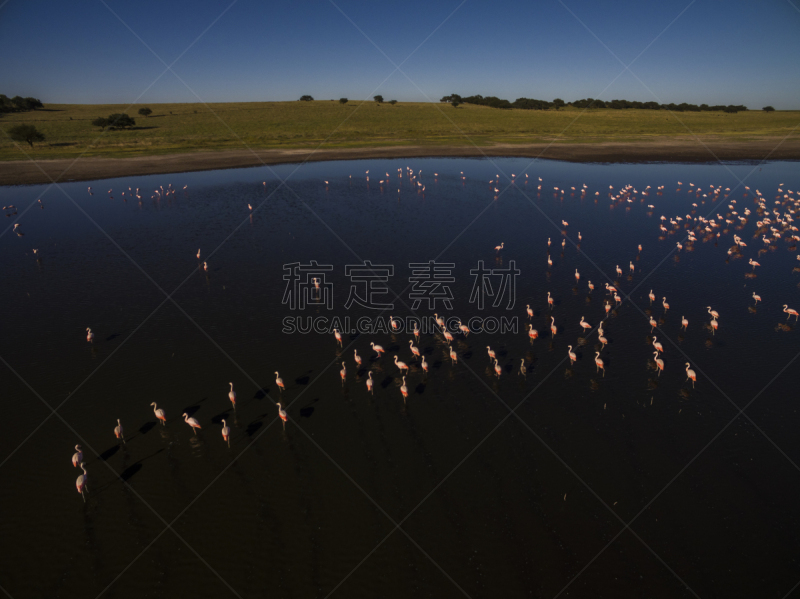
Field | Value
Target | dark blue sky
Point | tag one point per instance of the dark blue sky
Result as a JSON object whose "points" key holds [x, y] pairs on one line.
{"points": [[718, 51]]}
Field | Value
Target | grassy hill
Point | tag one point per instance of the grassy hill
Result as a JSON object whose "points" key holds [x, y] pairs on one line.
{"points": [[176, 128]]}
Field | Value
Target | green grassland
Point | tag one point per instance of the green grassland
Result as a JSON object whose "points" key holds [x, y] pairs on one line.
{"points": [[176, 128]]}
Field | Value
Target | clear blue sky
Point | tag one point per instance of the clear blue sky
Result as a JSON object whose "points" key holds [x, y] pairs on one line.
{"points": [[717, 52]]}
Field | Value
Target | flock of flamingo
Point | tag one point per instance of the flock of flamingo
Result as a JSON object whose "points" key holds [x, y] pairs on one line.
{"points": [[774, 224]]}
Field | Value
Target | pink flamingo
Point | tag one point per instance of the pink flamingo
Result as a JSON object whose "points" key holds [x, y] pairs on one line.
{"points": [[89, 335], [756, 297], [571, 354], [690, 374], [343, 372], [404, 389], [191, 422], [532, 333], [665, 304], [599, 363], [159, 414], [684, 323], [279, 381], [497, 369], [232, 396], [530, 311], [82, 481], [369, 382], [401, 365], [550, 300], [790, 312], [377, 348], [659, 363], [586, 326], [226, 433], [77, 457], [357, 358], [553, 327], [118, 431], [657, 345], [453, 355], [424, 364], [338, 336], [282, 414]]}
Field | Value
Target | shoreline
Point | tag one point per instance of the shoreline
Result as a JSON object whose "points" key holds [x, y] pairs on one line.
{"points": [[28, 172]]}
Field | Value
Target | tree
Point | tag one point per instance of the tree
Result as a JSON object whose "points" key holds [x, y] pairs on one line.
{"points": [[306, 99], [343, 100], [392, 102], [558, 103], [145, 111], [768, 109], [455, 103], [378, 99], [120, 120], [27, 133], [100, 122]]}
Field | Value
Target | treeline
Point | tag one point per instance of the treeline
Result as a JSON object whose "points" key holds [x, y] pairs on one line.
{"points": [[18, 104], [533, 104]]}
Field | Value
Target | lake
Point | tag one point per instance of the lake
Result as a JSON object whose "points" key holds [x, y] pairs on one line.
{"points": [[627, 482]]}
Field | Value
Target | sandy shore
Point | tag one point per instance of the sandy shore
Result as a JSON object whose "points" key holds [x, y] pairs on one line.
{"points": [[672, 150]]}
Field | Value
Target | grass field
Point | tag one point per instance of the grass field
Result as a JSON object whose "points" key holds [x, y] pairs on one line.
{"points": [[176, 128]]}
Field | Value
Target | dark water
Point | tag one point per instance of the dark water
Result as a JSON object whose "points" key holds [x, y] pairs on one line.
{"points": [[489, 503]]}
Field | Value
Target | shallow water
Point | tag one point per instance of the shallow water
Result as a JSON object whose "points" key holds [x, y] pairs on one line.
{"points": [[489, 502]]}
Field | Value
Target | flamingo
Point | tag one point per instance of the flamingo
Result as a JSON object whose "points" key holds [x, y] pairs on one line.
{"points": [[416, 332], [463, 328], [404, 389], [756, 297], [497, 369], [530, 311], [608, 307], [118, 431], [599, 363], [232, 396], [591, 286], [550, 300], [369, 382], [343, 372], [553, 327], [549, 261], [619, 271], [571, 354], [653, 324], [159, 414], [395, 326], [491, 353], [279, 381], [198, 253], [690, 374], [585, 324], [664, 303], [377, 348], [657, 345], [790, 312], [424, 364], [439, 320], [610, 288], [714, 325], [600, 336], [577, 275], [652, 297], [617, 299], [338, 336], [81, 482], [532, 333], [447, 335], [226, 433], [713, 313], [191, 422], [357, 357], [659, 363], [282, 414], [631, 267], [499, 247], [205, 266], [77, 457], [753, 263], [401, 365], [453, 355], [684, 323], [89, 335]]}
